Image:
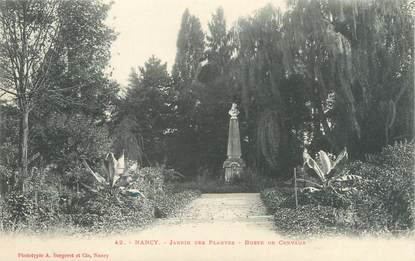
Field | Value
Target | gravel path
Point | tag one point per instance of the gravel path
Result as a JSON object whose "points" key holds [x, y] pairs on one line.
{"points": [[213, 227], [233, 208]]}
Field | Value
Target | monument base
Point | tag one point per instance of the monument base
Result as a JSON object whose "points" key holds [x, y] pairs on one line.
{"points": [[233, 169]]}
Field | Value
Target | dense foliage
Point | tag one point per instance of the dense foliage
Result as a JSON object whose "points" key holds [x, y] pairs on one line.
{"points": [[47, 207], [60, 114], [58, 111], [323, 75], [391, 187], [382, 203]]}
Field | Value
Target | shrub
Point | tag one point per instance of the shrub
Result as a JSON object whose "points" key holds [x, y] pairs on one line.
{"points": [[149, 181], [307, 219], [111, 210], [37, 208], [106, 212], [18, 208], [272, 198], [387, 199], [382, 202], [371, 215], [43, 206], [5, 180], [167, 204], [156, 183], [21, 212]]}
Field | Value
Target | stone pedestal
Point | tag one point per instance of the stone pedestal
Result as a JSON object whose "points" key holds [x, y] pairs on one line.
{"points": [[234, 164]]}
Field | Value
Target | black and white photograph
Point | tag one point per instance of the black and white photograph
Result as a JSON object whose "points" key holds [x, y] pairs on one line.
{"points": [[141, 130]]}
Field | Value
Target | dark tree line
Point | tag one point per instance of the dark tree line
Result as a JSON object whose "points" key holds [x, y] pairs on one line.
{"points": [[325, 74]]}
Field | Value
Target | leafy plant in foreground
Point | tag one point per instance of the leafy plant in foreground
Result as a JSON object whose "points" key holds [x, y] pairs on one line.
{"points": [[116, 176], [330, 178]]}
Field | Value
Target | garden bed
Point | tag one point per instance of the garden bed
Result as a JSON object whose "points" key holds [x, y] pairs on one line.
{"points": [[89, 212], [381, 205]]}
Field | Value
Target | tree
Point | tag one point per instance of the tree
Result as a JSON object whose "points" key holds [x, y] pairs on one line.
{"points": [[53, 56], [145, 112], [219, 44], [320, 55], [189, 57], [356, 59], [190, 48], [216, 93], [84, 53], [80, 88], [29, 32], [381, 36], [264, 98]]}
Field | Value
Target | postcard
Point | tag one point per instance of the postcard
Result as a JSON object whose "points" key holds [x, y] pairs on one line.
{"points": [[207, 130]]}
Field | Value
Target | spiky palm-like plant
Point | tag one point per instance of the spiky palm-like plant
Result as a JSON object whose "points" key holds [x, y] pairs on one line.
{"points": [[116, 175]]}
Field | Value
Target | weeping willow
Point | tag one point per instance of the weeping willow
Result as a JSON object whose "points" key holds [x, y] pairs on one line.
{"points": [[362, 51], [345, 67], [322, 55]]}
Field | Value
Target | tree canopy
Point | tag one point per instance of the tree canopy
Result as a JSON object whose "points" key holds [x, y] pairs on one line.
{"points": [[53, 57], [323, 74]]}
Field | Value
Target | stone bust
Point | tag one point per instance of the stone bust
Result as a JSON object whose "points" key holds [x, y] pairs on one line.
{"points": [[234, 112]]}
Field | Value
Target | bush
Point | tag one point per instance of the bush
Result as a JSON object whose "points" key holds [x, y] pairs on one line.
{"points": [[37, 208], [111, 210], [20, 211], [43, 206], [396, 184], [167, 204], [160, 188], [310, 218], [272, 198], [383, 202], [386, 199], [322, 198], [5, 180], [107, 212], [149, 181], [17, 209], [307, 219], [371, 215]]}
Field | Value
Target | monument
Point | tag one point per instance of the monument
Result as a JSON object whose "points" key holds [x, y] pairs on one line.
{"points": [[234, 164]]}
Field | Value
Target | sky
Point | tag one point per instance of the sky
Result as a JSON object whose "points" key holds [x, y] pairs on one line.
{"points": [[150, 27]]}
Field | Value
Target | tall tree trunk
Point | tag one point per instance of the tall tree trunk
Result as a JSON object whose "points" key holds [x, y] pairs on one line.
{"points": [[24, 148]]}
